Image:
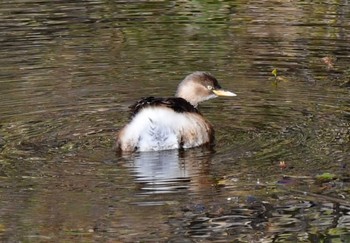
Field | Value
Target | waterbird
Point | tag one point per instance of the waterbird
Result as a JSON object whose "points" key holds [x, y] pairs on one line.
{"points": [[174, 122]]}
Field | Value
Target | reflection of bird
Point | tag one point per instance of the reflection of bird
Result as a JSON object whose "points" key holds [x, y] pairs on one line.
{"points": [[172, 123]]}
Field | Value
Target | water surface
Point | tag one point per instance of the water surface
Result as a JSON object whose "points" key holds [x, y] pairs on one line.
{"points": [[279, 171]]}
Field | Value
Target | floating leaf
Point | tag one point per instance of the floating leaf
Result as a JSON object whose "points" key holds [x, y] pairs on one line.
{"points": [[337, 231], [282, 78], [222, 182], [283, 165], [2, 228], [329, 61], [325, 177], [274, 72]]}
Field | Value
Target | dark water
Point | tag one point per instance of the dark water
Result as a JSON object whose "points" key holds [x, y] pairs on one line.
{"points": [[280, 169]]}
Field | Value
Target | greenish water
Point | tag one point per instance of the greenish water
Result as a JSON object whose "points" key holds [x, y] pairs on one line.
{"points": [[279, 171]]}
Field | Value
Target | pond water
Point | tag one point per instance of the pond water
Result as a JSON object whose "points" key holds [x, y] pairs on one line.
{"points": [[280, 169]]}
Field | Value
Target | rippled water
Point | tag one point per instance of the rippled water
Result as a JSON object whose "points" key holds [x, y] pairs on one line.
{"points": [[279, 171]]}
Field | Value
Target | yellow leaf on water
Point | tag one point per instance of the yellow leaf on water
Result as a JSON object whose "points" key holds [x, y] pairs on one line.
{"points": [[274, 72], [2, 228]]}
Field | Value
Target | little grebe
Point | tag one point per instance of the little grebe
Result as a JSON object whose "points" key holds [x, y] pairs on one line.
{"points": [[175, 122]]}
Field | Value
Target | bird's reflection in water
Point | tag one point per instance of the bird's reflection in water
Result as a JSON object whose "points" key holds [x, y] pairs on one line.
{"points": [[170, 171]]}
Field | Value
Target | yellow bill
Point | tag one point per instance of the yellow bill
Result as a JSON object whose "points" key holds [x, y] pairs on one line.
{"points": [[221, 92]]}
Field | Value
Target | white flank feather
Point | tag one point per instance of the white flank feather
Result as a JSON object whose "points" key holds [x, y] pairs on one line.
{"points": [[160, 128]]}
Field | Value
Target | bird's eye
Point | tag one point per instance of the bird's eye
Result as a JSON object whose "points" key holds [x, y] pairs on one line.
{"points": [[210, 87]]}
